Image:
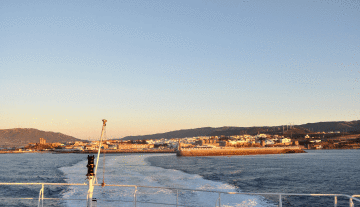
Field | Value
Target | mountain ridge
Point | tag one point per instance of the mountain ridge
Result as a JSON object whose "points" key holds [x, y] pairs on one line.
{"points": [[23, 136], [233, 130], [18, 137]]}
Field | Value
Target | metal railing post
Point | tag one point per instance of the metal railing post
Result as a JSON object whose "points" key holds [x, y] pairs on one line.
{"points": [[335, 201], [135, 196], [280, 201], [351, 203], [219, 200], [177, 197], [41, 196]]}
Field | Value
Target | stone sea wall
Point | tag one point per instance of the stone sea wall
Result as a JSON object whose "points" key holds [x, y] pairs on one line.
{"points": [[239, 151]]}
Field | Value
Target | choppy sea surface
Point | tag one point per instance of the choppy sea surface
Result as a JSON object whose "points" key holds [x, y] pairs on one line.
{"points": [[33, 168], [322, 171]]}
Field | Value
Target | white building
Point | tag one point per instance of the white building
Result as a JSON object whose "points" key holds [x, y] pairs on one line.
{"points": [[285, 140]]}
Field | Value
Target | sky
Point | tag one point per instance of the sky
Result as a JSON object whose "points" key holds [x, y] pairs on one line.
{"points": [[157, 66]]}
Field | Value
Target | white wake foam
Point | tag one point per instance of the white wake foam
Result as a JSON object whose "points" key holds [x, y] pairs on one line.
{"points": [[134, 170]]}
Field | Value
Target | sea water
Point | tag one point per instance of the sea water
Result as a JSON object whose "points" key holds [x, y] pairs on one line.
{"points": [[134, 169], [33, 168], [320, 171], [315, 172]]}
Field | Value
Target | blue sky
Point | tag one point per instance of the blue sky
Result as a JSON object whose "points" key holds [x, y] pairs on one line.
{"points": [[157, 66]]}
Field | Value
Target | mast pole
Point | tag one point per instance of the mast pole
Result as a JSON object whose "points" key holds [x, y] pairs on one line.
{"points": [[91, 176], [101, 139], [90, 191]]}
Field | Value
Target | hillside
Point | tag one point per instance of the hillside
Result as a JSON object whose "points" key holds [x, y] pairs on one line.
{"points": [[174, 134], [349, 126], [21, 137]]}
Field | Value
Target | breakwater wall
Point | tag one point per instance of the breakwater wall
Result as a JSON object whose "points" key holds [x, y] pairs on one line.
{"points": [[226, 151]]}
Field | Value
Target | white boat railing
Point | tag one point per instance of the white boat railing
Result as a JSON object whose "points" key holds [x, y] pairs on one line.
{"points": [[41, 197]]}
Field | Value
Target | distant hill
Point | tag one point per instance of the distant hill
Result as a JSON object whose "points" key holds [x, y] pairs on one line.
{"points": [[22, 137], [349, 126], [174, 134], [207, 131]]}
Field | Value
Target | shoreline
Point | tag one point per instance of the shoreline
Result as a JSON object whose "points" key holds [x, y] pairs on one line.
{"points": [[239, 151], [118, 151], [190, 152], [93, 151]]}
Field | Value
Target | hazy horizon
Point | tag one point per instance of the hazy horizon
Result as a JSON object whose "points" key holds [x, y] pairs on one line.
{"points": [[158, 66]]}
